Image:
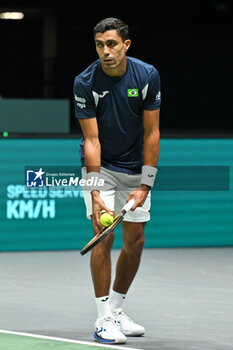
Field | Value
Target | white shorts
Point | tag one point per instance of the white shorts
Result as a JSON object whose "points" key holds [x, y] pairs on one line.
{"points": [[119, 187]]}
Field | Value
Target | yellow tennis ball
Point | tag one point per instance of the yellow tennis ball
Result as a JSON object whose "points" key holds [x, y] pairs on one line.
{"points": [[106, 219]]}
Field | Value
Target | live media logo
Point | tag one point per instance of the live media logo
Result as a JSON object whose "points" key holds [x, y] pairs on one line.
{"points": [[40, 178], [35, 178]]}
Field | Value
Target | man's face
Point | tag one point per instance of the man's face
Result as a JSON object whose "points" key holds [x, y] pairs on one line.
{"points": [[111, 49]]}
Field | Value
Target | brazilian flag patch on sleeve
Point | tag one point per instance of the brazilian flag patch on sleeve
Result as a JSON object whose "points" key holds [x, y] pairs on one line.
{"points": [[132, 92]]}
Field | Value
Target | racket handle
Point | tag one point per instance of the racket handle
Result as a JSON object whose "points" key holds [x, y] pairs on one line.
{"points": [[128, 206]]}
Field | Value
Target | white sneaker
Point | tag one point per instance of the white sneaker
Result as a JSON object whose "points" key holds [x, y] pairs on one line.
{"points": [[107, 331], [126, 325]]}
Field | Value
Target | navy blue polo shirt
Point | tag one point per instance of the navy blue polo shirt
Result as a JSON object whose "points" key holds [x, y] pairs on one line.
{"points": [[118, 105]]}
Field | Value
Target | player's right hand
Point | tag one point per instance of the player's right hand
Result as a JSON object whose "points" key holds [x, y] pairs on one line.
{"points": [[98, 206]]}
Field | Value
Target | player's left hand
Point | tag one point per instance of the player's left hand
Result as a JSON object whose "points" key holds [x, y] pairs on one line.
{"points": [[139, 195]]}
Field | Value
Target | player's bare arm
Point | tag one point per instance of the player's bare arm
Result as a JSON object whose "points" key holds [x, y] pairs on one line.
{"points": [[92, 148], [150, 152], [151, 137], [92, 152]]}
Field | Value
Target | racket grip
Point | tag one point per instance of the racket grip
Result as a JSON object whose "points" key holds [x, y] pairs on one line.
{"points": [[128, 205]]}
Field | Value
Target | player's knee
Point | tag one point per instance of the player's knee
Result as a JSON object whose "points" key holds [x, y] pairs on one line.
{"points": [[134, 245], [140, 241], [105, 246]]}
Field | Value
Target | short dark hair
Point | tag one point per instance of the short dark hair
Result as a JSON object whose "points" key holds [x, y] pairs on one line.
{"points": [[113, 23]]}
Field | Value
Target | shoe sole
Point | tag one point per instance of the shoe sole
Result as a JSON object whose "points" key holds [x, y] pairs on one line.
{"points": [[133, 334], [107, 341]]}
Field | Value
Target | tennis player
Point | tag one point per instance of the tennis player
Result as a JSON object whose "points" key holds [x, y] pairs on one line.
{"points": [[117, 102]]}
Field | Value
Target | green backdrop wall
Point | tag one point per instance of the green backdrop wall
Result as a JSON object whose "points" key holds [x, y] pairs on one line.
{"points": [[32, 219], [19, 115]]}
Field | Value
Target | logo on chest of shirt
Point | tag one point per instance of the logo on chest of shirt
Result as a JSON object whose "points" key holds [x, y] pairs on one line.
{"points": [[132, 92], [103, 94], [97, 96]]}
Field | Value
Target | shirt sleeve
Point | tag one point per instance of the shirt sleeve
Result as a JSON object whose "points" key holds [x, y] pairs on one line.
{"points": [[151, 93], [84, 105]]}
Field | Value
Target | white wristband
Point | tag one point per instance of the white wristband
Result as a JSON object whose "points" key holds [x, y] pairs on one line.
{"points": [[148, 175]]}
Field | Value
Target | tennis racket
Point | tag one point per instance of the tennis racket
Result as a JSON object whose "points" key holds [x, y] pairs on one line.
{"points": [[106, 230]]}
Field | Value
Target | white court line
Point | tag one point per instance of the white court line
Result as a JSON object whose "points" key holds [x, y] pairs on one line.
{"points": [[66, 340]]}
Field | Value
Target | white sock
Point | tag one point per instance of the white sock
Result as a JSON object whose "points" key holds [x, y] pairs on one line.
{"points": [[116, 300], [103, 308]]}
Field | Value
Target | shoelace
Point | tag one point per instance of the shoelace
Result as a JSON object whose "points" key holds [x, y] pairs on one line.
{"points": [[122, 317], [111, 320], [107, 319]]}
